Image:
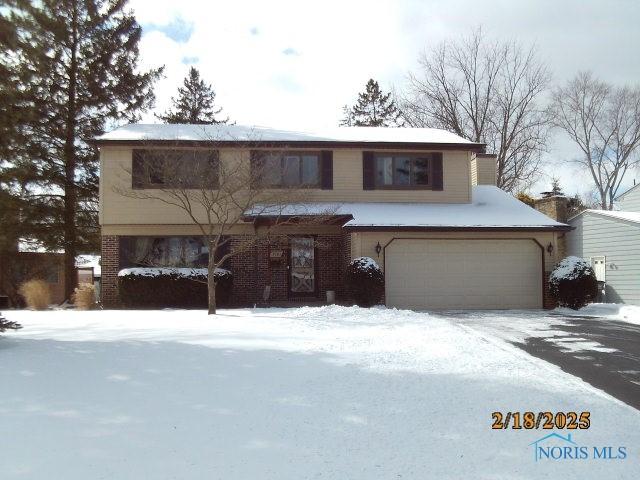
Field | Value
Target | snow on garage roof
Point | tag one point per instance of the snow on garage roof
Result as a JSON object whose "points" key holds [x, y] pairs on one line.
{"points": [[491, 208], [240, 133]]}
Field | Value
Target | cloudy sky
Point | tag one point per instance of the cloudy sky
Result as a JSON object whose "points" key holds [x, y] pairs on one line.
{"points": [[293, 64]]}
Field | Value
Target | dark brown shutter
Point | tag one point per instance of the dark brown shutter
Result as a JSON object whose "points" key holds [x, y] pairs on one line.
{"points": [[257, 168], [137, 169], [437, 172], [326, 170], [368, 171]]}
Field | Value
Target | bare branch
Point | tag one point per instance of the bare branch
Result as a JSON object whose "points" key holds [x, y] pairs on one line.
{"points": [[486, 92], [604, 122], [223, 191]]}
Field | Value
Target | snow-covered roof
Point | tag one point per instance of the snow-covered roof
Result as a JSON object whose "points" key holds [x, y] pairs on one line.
{"points": [[31, 245], [491, 207], [242, 133], [633, 217]]}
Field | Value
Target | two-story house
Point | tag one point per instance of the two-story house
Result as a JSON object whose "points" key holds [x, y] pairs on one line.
{"points": [[421, 202]]}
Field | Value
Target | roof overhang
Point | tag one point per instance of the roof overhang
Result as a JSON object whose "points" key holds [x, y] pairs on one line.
{"points": [[605, 214], [281, 220], [307, 144], [443, 228]]}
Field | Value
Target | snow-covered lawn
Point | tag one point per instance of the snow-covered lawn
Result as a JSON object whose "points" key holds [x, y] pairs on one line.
{"points": [[326, 392], [611, 311]]}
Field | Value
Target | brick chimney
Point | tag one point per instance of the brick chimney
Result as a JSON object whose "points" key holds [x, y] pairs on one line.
{"points": [[554, 206]]}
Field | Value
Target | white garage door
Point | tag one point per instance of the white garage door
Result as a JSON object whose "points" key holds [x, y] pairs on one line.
{"points": [[451, 274]]}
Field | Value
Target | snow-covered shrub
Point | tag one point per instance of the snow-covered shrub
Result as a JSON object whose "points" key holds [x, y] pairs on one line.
{"points": [[84, 296], [171, 287], [573, 283], [36, 293], [365, 281], [7, 325]]}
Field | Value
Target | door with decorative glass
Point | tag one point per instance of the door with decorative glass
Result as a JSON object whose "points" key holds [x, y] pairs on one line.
{"points": [[302, 266]]}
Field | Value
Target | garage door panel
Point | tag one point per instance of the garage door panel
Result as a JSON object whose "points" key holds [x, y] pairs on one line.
{"points": [[440, 274]]}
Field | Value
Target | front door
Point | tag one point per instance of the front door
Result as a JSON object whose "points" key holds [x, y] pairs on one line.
{"points": [[302, 280]]}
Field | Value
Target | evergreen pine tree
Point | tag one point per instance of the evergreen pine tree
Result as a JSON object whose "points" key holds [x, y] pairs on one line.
{"points": [[195, 103], [556, 189], [373, 109], [347, 117], [75, 65]]}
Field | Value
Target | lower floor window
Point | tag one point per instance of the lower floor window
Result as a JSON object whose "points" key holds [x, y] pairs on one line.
{"points": [[165, 252]]}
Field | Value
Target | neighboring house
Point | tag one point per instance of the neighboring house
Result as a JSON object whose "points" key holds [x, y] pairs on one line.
{"points": [[420, 202], [629, 200], [89, 270], [611, 240], [31, 261], [18, 267]]}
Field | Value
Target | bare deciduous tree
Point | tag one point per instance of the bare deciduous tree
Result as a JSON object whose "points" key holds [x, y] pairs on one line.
{"points": [[487, 92], [604, 122], [218, 193]]}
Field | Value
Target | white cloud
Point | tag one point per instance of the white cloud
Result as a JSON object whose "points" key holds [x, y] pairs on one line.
{"points": [[337, 45]]}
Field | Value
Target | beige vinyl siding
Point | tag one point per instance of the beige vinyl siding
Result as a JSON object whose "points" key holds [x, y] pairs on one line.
{"points": [[483, 171], [618, 241], [244, 229], [631, 201], [364, 244], [117, 209]]}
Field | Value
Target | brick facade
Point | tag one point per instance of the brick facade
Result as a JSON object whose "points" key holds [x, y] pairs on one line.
{"points": [[556, 207], [548, 302], [254, 270], [110, 264]]}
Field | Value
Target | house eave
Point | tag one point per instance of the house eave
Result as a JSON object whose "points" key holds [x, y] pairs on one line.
{"points": [[428, 228], [474, 147], [601, 214]]}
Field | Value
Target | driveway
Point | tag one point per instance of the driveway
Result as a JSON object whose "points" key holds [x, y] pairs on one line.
{"points": [[601, 351]]}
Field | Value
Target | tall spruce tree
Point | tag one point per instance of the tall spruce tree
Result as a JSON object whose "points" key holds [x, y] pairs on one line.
{"points": [[195, 103], [75, 68], [373, 109]]}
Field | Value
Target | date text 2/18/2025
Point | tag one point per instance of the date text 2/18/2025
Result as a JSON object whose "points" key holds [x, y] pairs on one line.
{"points": [[544, 420]]}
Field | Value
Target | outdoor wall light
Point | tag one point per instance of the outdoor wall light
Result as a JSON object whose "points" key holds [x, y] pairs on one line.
{"points": [[550, 248], [378, 248]]}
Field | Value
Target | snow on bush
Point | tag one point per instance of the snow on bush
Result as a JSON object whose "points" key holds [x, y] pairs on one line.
{"points": [[573, 283], [365, 281], [193, 273], [159, 287]]}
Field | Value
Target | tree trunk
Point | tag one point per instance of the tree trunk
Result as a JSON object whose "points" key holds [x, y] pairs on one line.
{"points": [[211, 283], [603, 200], [70, 191]]}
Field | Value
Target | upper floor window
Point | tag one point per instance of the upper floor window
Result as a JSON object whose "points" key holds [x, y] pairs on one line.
{"points": [[403, 171], [288, 169], [164, 168]]}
